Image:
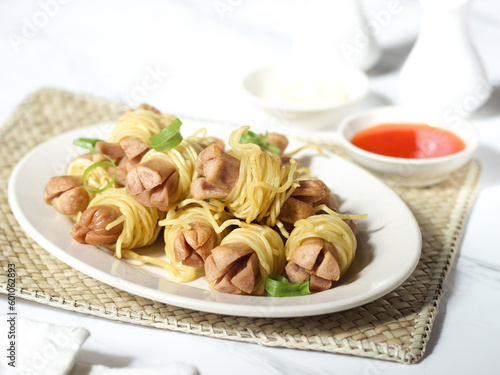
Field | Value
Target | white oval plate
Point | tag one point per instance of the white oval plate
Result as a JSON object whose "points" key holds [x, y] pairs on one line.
{"points": [[388, 250]]}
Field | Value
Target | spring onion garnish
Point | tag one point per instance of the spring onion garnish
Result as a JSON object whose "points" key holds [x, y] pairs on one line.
{"points": [[278, 286], [89, 144], [217, 199], [168, 138], [251, 137], [84, 143]]}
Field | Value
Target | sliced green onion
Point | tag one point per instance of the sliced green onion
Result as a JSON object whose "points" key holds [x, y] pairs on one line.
{"points": [[82, 142], [278, 286], [168, 138], [217, 199], [97, 165], [251, 137], [89, 144]]}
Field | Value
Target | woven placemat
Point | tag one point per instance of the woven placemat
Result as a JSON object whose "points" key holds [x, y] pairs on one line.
{"points": [[395, 327]]}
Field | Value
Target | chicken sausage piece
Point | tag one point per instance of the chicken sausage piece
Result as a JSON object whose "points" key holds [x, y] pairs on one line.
{"points": [[311, 191], [121, 175], [219, 168], [222, 172], [58, 185], [211, 152], [315, 260], [278, 140], [352, 224], [152, 183], [315, 192], [133, 148], [72, 202], [66, 194], [329, 201], [91, 228], [112, 150], [241, 277], [233, 267], [192, 246], [149, 108], [294, 209], [201, 189], [318, 284], [219, 143]]}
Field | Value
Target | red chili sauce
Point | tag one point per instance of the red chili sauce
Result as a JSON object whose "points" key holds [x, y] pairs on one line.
{"points": [[407, 140]]}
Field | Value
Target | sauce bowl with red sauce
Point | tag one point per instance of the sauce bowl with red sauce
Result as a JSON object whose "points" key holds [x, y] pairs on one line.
{"points": [[406, 149]]}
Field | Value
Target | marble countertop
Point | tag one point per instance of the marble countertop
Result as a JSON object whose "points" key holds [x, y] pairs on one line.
{"points": [[197, 53]]}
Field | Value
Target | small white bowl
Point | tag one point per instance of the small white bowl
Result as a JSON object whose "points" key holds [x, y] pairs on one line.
{"points": [[312, 97], [401, 171]]}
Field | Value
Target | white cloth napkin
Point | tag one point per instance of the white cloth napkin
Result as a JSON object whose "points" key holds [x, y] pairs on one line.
{"points": [[40, 348], [43, 348]]}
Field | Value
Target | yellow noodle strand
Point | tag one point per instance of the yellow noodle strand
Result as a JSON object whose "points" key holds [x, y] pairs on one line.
{"points": [[310, 145]]}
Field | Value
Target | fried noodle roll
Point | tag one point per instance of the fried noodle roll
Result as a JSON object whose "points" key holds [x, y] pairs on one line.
{"points": [[244, 259], [179, 161], [140, 224], [320, 249], [192, 230], [66, 194], [95, 225], [263, 184]]}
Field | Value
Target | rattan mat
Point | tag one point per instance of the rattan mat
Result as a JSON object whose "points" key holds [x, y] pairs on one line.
{"points": [[395, 327]]}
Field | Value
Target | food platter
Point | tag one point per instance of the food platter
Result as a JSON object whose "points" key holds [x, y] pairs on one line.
{"points": [[389, 240]]}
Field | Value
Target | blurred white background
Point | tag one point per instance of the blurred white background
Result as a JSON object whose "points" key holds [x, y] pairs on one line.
{"points": [[196, 51]]}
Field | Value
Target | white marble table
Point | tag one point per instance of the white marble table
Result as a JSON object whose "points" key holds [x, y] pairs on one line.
{"points": [[197, 58]]}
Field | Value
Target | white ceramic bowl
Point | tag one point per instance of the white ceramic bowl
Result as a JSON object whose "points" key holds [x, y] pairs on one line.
{"points": [[306, 97], [401, 171]]}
